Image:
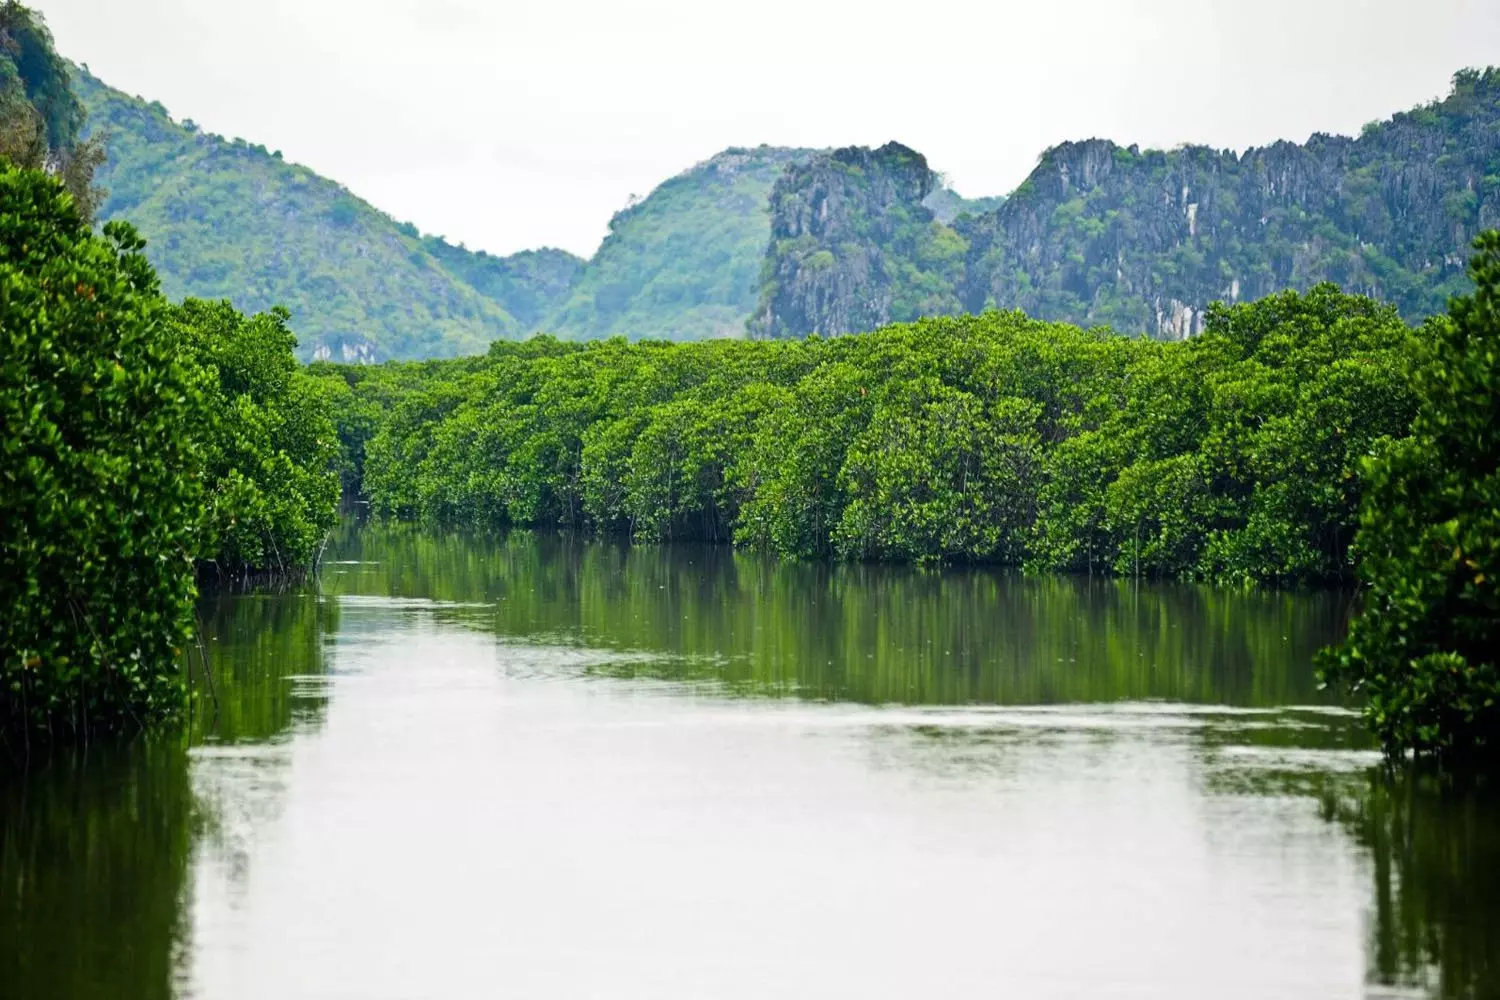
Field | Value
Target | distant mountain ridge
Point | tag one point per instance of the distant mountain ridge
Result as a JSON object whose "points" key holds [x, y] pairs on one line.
{"points": [[684, 262], [785, 242], [1144, 241], [230, 219], [227, 219]]}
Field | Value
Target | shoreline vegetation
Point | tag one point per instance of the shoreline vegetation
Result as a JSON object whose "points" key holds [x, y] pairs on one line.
{"points": [[1232, 457], [145, 443], [1300, 439], [1305, 437]]}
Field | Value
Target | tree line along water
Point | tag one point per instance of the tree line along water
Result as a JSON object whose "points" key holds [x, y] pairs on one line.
{"points": [[156, 442]]}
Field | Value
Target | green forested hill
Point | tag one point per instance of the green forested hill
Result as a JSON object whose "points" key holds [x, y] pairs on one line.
{"points": [[226, 219], [1143, 240], [683, 263], [528, 284], [798, 241]]}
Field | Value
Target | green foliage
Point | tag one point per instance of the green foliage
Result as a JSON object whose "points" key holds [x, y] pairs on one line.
{"points": [[938, 474], [138, 438], [1232, 456], [228, 220], [683, 263], [101, 472], [272, 451], [1423, 650], [796, 497], [40, 117]]}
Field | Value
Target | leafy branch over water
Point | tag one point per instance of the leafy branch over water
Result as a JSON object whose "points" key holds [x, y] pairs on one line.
{"points": [[1424, 652], [140, 438]]}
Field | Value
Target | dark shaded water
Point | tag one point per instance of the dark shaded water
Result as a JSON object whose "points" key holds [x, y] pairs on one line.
{"points": [[526, 766]]}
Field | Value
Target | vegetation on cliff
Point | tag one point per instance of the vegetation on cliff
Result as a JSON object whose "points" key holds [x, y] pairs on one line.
{"points": [[1144, 241], [684, 262], [853, 246], [41, 118]]}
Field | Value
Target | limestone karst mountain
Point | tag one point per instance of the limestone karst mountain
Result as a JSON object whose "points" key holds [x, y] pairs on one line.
{"points": [[1141, 240], [784, 242]]}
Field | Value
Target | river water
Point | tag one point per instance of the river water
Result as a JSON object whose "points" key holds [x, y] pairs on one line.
{"points": [[531, 766]]}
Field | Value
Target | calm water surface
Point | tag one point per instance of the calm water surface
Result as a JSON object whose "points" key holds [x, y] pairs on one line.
{"points": [[538, 768]]}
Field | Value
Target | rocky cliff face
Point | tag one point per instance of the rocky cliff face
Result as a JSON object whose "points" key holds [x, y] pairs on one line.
{"points": [[1105, 234], [848, 233], [1144, 241]]}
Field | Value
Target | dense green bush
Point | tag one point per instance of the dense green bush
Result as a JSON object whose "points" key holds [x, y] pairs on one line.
{"points": [[271, 447], [138, 438], [991, 438], [101, 473], [1425, 649]]}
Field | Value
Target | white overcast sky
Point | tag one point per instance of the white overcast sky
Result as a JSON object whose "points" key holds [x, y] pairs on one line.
{"points": [[520, 123]]}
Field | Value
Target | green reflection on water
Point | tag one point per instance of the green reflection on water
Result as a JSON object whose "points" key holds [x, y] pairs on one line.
{"points": [[1436, 862], [93, 860], [265, 655], [95, 847], [874, 634]]}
